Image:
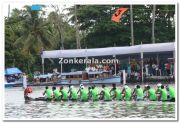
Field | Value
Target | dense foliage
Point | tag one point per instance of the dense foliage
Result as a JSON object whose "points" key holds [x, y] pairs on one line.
{"points": [[29, 32]]}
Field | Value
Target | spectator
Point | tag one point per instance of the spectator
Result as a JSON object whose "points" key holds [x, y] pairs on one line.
{"points": [[129, 70], [106, 67], [157, 69], [147, 69], [136, 75], [161, 68], [154, 69], [168, 67]]}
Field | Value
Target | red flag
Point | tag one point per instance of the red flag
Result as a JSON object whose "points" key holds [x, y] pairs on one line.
{"points": [[117, 15]]}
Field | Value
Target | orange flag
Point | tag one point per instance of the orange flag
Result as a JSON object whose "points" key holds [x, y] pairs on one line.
{"points": [[117, 15]]}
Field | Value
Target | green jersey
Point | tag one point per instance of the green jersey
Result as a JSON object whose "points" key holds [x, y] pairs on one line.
{"points": [[163, 94], [95, 94], [128, 94], [57, 94], [152, 94], [118, 95], [171, 92], [64, 94], [139, 93], [49, 93], [107, 96], [74, 95], [84, 94]]}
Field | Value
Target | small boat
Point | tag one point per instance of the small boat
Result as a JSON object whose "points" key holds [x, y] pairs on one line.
{"points": [[18, 83], [11, 79], [83, 77]]}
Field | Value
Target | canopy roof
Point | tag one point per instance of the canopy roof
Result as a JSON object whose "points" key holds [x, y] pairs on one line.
{"points": [[11, 71], [158, 47]]}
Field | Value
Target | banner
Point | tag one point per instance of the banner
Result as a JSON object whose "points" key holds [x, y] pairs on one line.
{"points": [[118, 14]]}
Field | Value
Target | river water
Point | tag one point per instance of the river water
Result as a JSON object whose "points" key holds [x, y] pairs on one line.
{"points": [[17, 108]]}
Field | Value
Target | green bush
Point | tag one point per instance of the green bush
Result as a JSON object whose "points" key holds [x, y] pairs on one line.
{"points": [[30, 77]]}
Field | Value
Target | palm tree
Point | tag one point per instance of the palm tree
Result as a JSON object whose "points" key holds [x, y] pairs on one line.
{"points": [[74, 19], [56, 18], [35, 32], [78, 44]]}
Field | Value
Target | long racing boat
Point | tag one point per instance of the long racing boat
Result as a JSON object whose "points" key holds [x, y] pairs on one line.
{"points": [[82, 77]]}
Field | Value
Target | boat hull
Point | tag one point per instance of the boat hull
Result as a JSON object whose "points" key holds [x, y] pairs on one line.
{"points": [[115, 79], [8, 85], [43, 99]]}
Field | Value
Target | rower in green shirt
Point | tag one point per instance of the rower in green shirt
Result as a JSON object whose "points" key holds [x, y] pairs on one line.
{"points": [[56, 94], [83, 93], [73, 93], [94, 93], [48, 93], [158, 90], [64, 93], [115, 93], [163, 94], [171, 93], [138, 93], [127, 93], [151, 95], [105, 93]]}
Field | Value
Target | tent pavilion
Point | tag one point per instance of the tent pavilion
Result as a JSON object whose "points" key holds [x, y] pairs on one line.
{"points": [[109, 51], [11, 71]]}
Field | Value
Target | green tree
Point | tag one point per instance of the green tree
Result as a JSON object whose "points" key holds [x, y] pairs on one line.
{"points": [[35, 35], [28, 32], [95, 20]]}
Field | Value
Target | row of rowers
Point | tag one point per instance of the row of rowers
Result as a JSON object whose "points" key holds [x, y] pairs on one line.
{"points": [[158, 93]]}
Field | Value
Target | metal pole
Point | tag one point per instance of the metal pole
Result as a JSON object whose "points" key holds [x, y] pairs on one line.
{"points": [[157, 59], [43, 66], [115, 65], [86, 61], [132, 30], [86, 57], [142, 64], [174, 61], [61, 67], [9, 10], [153, 23], [124, 77]]}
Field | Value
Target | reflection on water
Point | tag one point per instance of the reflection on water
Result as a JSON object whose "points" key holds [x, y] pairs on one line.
{"points": [[16, 107]]}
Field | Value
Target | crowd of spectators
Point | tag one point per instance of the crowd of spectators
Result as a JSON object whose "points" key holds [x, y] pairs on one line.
{"points": [[101, 67], [133, 69], [13, 78]]}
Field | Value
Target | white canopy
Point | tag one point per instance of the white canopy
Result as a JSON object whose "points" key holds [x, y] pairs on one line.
{"points": [[158, 47]]}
